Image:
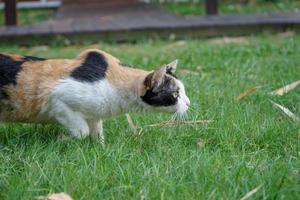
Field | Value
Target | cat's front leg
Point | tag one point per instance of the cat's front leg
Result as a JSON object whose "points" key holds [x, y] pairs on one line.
{"points": [[96, 130], [70, 119]]}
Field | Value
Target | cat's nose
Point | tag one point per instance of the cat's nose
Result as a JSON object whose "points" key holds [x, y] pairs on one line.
{"points": [[188, 103]]}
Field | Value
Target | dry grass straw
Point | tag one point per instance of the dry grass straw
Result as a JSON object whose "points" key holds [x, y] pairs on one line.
{"points": [[285, 89], [251, 193]]}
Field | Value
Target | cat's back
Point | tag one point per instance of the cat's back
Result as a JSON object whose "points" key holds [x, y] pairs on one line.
{"points": [[15, 68], [26, 82]]}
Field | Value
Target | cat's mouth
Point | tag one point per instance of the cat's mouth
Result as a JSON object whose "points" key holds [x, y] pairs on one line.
{"points": [[176, 110], [182, 110], [183, 105]]}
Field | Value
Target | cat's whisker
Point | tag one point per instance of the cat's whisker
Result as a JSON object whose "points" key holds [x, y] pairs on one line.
{"points": [[174, 116], [181, 117], [185, 116], [177, 116], [192, 110]]}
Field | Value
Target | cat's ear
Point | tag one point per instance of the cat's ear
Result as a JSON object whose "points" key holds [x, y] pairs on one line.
{"points": [[155, 79], [171, 67]]}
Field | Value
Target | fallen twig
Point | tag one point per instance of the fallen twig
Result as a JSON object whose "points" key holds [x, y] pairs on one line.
{"points": [[285, 89], [172, 123], [130, 122], [246, 93], [57, 196]]}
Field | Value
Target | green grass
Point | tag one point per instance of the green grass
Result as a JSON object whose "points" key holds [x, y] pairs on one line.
{"points": [[249, 143], [31, 16], [232, 7]]}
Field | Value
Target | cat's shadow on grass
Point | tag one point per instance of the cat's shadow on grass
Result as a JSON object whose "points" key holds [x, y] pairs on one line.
{"points": [[38, 134], [29, 133]]}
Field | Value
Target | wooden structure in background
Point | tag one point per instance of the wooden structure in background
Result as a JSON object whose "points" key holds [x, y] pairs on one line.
{"points": [[102, 2], [128, 20], [10, 12], [211, 7], [11, 6], [78, 9]]}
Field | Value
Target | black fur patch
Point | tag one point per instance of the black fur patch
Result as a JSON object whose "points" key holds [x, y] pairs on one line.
{"points": [[164, 96], [3, 95], [169, 71], [171, 74], [9, 69], [92, 69]]}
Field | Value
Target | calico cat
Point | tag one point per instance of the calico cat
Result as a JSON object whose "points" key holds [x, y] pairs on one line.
{"points": [[79, 93]]}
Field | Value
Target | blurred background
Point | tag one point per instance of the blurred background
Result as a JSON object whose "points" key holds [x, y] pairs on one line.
{"points": [[156, 18]]}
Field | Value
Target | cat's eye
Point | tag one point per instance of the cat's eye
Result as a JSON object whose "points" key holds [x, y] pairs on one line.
{"points": [[176, 94]]}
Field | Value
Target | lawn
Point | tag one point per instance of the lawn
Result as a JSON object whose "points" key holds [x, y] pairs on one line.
{"points": [[249, 144]]}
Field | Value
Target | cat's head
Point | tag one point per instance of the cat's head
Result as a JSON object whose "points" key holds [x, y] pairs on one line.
{"points": [[164, 92]]}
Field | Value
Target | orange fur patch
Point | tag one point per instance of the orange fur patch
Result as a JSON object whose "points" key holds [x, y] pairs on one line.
{"points": [[34, 85]]}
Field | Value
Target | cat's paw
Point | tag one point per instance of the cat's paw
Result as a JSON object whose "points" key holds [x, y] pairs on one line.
{"points": [[64, 138]]}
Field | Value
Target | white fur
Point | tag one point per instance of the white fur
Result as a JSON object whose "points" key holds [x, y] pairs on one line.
{"points": [[81, 107], [183, 101]]}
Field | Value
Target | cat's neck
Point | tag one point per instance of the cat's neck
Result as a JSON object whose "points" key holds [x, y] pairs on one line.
{"points": [[127, 78], [128, 85]]}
